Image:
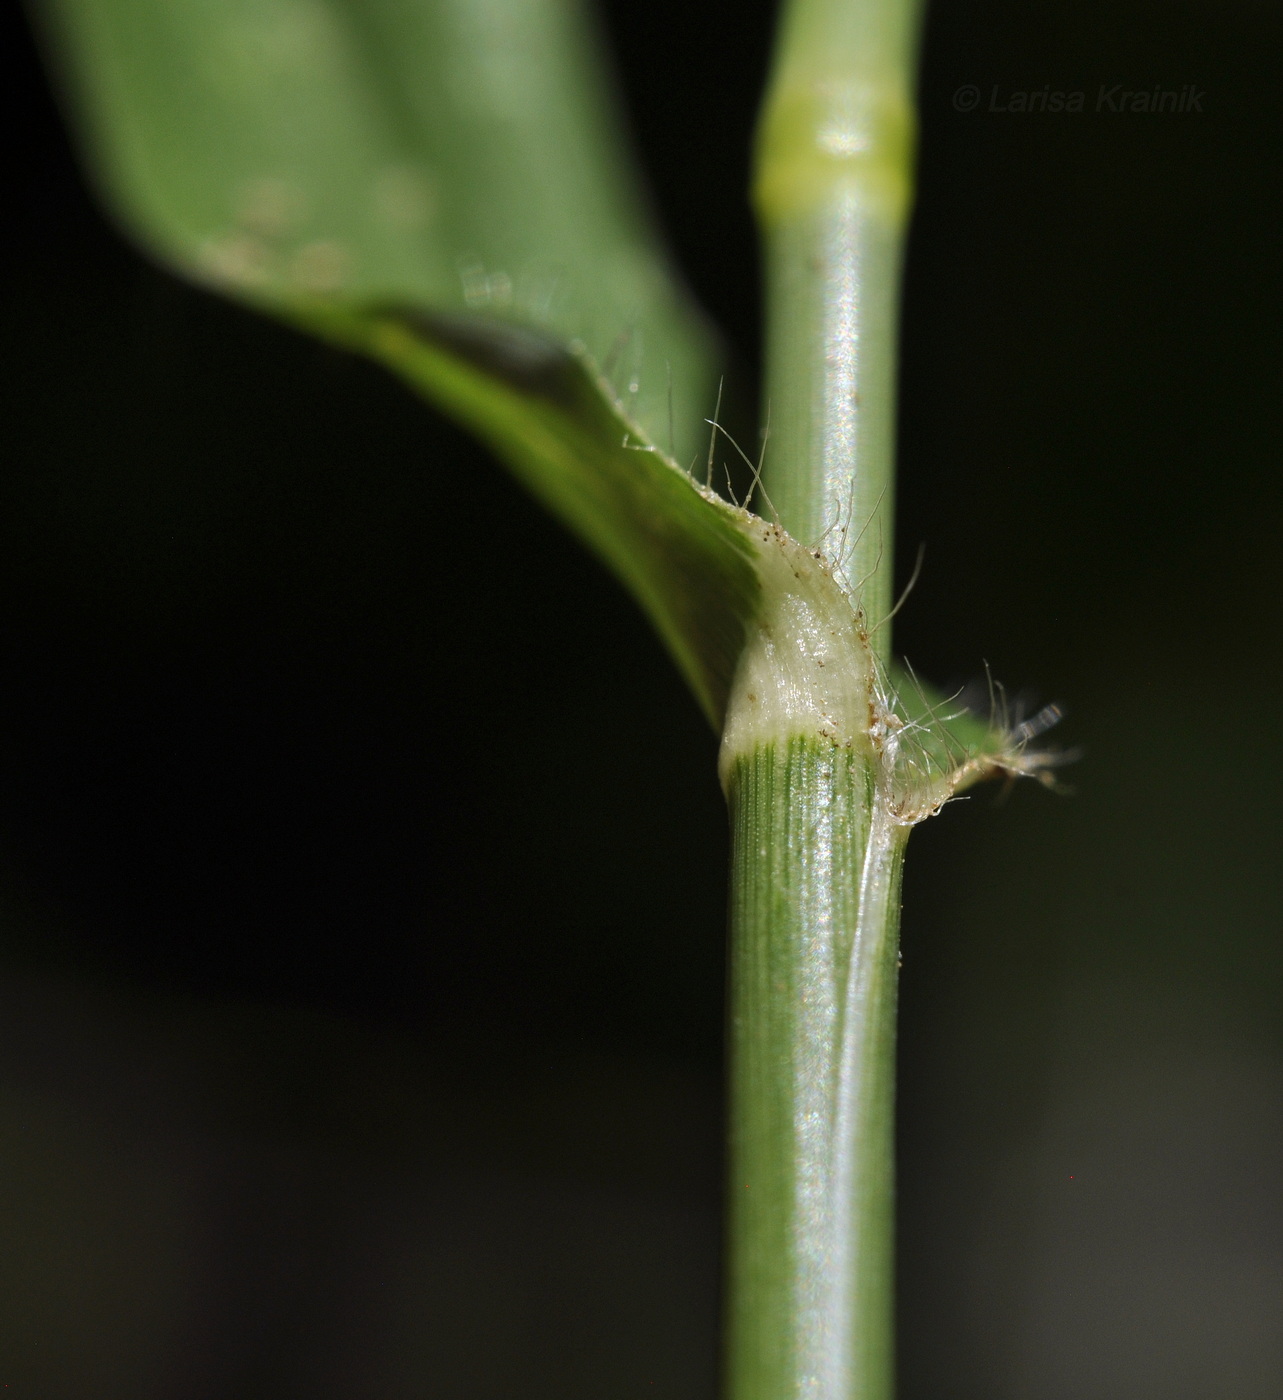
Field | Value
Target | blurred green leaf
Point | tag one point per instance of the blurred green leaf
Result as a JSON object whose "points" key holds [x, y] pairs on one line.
{"points": [[457, 155], [458, 160]]}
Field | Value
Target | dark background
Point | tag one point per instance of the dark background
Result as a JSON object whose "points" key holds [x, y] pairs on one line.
{"points": [[361, 857]]}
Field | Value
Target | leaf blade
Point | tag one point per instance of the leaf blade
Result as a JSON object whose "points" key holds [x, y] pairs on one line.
{"points": [[437, 184], [452, 155]]}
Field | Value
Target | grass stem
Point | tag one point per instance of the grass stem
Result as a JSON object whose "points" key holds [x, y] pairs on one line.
{"points": [[816, 851]]}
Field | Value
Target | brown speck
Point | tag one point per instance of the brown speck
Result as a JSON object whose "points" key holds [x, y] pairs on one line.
{"points": [[236, 258], [270, 207], [319, 266]]}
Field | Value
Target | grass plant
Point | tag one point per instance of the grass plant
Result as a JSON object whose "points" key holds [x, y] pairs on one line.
{"points": [[442, 186]]}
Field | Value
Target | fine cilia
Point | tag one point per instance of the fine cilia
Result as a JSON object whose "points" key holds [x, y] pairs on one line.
{"points": [[809, 668]]}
